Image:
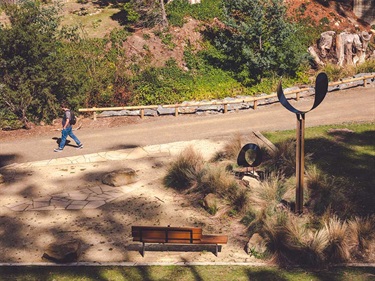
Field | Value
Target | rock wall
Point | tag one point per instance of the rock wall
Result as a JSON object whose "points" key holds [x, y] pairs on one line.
{"points": [[342, 49], [365, 10]]}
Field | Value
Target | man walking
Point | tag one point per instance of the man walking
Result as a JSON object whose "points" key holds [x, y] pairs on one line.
{"points": [[67, 130]]}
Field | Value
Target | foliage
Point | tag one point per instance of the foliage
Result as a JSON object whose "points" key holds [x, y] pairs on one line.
{"points": [[230, 150], [42, 65], [326, 192], [345, 152], [30, 75], [282, 160], [258, 41], [186, 171], [171, 84], [131, 16], [96, 72], [337, 248], [178, 10], [367, 67], [336, 72], [141, 13], [362, 232], [327, 232], [9, 121], [218, 181], [292, 239]]}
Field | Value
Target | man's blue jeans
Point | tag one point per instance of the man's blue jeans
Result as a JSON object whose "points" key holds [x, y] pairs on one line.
{"points": [[65, 133]]}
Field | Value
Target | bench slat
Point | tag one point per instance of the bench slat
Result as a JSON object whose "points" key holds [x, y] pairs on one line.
{"points": [[143, 228], [174, 241], [165, 235], [214, 239]]}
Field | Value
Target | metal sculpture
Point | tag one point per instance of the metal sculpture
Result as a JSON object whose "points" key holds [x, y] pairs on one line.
{"points": [[241, 159], [321, 88]]}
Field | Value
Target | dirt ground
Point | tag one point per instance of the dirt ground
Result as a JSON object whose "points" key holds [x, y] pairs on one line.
{"points": [[105, 233]]}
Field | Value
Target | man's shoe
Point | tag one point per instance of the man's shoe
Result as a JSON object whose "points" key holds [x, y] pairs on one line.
{"points": [[80, 146], [57, 150]]}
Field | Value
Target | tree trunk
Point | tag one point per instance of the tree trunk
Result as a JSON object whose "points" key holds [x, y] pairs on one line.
{"points": [[164, 22]]}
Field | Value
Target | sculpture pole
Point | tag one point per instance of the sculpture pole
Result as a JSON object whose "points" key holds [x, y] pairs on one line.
{"points": [[300, 161]]}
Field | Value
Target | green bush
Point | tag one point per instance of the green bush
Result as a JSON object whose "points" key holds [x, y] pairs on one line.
{"points": [[251, 47], [366, 67], [9, 121], [178, 10]]}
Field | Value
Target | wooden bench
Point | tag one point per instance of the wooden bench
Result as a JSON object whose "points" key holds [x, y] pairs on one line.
{"points": [[175, 235]]}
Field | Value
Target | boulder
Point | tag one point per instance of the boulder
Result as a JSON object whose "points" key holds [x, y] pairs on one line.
{"points": [[64, 251], [210, 203], [165, 111], [121, 177], [326, 41], [256, 245], [250, 181]]}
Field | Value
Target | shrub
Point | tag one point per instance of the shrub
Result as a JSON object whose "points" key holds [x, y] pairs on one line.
{"points": [[218, 181], [366, 67], [335, 72], [230, 150], [178, 10], [291, 241], [315, 247], [240, 200], [186, 171], [268, 193], [282, 160], [337, 249], [275, 236], [249, 52], [362, 234], [326, 193]]}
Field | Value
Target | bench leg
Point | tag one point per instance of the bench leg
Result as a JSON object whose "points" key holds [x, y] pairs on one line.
{"points": [[217, 250], [143, 249]]}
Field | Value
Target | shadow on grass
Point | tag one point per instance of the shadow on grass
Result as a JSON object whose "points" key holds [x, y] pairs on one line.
{"points": [[194, 273], [341, 157]]}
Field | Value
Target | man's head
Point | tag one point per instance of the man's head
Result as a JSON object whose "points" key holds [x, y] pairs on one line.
{"points": [[64, 106]]}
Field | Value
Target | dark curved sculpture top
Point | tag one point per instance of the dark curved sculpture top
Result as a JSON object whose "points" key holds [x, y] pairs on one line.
{"points": [[321, 88], [241, 159]]}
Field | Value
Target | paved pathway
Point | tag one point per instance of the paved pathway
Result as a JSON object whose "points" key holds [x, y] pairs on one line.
{"points": [[97, 196], [88, 198], [354, 105]]}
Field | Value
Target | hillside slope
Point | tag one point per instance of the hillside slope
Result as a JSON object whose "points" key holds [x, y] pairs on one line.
{"points": [[145, 46]]}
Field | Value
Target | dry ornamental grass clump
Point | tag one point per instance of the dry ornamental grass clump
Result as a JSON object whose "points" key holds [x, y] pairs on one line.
{"points": [[186, 171], [320, 236]]}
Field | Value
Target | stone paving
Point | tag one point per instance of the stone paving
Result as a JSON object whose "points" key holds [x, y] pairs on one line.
{"points": [[88, 198], [97, 196]]}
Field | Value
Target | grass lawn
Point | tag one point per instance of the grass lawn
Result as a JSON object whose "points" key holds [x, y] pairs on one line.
{"points": [[345, 151], [183, 273], [96, 24]]}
